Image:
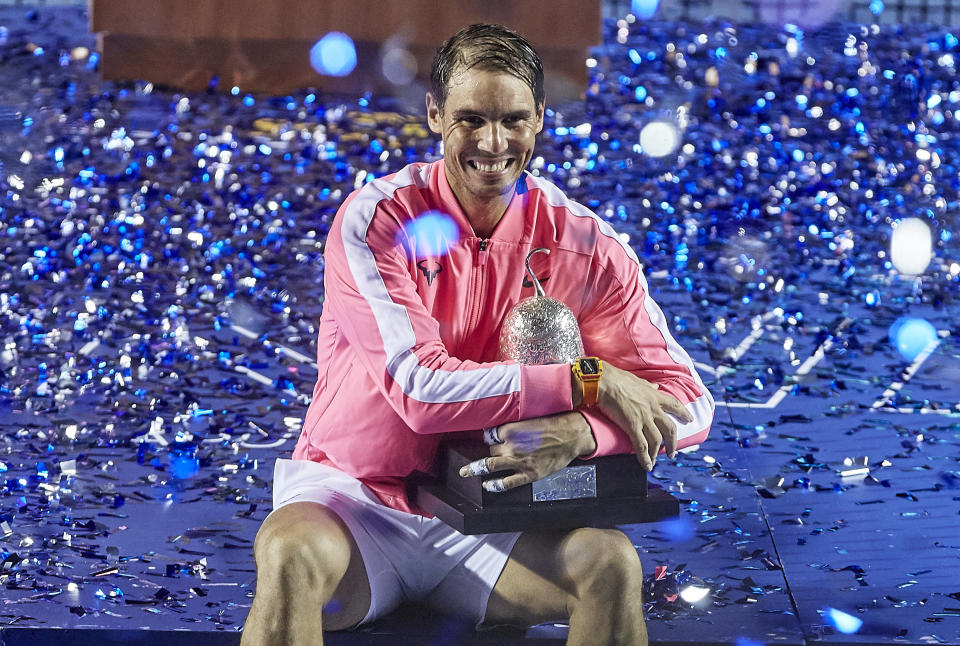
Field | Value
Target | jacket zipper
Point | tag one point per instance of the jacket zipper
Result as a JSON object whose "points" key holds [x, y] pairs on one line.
{"points": [[476, 288]]}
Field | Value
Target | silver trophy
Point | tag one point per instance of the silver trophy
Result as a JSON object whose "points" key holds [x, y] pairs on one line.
{"points": [[600, 491], [540, 329]]}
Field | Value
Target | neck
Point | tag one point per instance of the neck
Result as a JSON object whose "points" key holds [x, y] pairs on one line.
{"points": [[484, 215]]}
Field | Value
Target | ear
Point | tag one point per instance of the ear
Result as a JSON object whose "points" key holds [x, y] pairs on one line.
{"points": [[433, 115], [540, 110]]}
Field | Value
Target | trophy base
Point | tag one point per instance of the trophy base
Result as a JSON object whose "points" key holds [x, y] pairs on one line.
{"points": [[601, 491], [468, 518]]}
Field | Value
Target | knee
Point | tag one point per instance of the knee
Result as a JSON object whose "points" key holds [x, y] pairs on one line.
{"points": [[301, 555], [606, 559]]}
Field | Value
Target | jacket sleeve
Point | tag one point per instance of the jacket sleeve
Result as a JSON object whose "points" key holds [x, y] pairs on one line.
{"points": [[622, 324], [376, 305]]}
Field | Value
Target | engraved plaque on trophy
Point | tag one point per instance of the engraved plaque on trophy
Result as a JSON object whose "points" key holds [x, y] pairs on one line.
{"points": [[598, 492]]}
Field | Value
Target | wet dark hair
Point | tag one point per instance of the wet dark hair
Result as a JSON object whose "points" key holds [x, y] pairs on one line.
{"points": [[492, 48]]}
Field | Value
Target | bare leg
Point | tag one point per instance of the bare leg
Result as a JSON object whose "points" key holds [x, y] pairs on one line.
{"points": [[306, 560], [591, 577]]}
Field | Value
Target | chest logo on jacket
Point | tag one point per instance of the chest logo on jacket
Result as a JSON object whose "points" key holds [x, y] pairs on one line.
{"points": [[430, 269], [528, 283]]}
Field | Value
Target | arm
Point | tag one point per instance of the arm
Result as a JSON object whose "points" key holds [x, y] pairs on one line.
{"points": [[653, 393], [397, 341]]}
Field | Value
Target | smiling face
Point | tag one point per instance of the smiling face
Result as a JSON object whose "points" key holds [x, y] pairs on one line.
{"points": [[489, 124]]}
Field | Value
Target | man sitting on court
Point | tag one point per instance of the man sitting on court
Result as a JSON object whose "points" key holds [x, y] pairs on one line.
{"points": [[407, 351]]}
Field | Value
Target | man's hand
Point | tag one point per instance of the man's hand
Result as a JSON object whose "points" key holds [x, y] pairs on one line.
{"points": [[642, 412], [533, 449]]}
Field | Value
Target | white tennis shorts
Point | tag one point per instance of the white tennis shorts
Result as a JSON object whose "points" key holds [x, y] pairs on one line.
{"points": [[407, 557]]}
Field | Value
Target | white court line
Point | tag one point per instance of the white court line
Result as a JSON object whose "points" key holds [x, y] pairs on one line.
{"points": [[705, 367], [253, 374], [751, 338], [290, 352], [921, 411], [267, 381], [803, 370], [722, 371], [742, 347], [907, 374], [880, 404]]}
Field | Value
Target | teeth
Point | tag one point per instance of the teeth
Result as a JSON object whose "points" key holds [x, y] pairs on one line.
{"points": [[490, 168]]}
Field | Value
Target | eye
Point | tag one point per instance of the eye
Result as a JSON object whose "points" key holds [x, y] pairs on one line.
{"points": [[472, 121]]}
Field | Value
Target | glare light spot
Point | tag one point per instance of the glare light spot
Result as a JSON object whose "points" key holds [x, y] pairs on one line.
{"points": [[431, 235], [677, 530], [911, 336], [399, 66], [847, 624], [659, 138], [694, 593], [334, 55], [911, 246], [644, 8]]}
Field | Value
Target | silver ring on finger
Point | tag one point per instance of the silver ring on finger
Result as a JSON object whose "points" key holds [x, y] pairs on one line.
{"points": [[479, 467], [491, 436]]}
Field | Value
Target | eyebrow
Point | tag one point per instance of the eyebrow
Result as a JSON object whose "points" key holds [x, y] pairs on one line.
{"points": [[516, 114]]}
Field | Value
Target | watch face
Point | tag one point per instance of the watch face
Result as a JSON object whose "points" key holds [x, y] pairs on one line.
{"points": [[589, 366]]}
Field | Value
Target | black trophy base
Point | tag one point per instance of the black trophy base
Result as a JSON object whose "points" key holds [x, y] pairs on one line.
{"points": [[610, 490], [467, 518]]}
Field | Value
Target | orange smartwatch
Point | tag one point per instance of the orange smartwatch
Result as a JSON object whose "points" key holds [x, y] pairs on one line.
{"points": [[588, 371]]}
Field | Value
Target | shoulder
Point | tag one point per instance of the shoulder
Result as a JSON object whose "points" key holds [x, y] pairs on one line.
{"points": [[578, 228], [410, 179], [383, 204]]}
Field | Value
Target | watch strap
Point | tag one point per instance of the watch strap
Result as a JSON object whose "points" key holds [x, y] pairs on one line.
{"points": [[589, 381]]}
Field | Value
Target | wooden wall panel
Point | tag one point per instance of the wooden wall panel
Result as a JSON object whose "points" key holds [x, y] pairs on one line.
{"points": [[262, 46]]}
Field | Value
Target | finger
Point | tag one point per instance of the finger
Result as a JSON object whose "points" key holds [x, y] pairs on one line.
{"points": [[641, 444], [668, 430], [654, 447], [498, 485], [654, 440], [672, 405], [495, 485], [486, 466], [479, 467]]}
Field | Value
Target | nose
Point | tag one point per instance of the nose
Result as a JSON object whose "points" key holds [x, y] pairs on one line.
{"points": [[493, 138]]}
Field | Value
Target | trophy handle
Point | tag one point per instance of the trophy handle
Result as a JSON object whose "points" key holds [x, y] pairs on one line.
{"points": [[533, 278]]}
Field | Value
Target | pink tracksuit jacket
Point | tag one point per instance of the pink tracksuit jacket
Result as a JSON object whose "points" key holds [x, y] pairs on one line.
{"points": [[409, 333]]}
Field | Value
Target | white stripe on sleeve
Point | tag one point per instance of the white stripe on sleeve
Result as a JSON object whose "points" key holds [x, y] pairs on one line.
{"points": [[393, 320], [702, 407]]}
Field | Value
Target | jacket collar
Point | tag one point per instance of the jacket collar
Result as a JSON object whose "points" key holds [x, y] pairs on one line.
{"points": [[512, 226]]}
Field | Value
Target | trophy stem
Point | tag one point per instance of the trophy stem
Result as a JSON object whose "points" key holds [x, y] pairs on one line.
{"points": [[533, 278]]}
